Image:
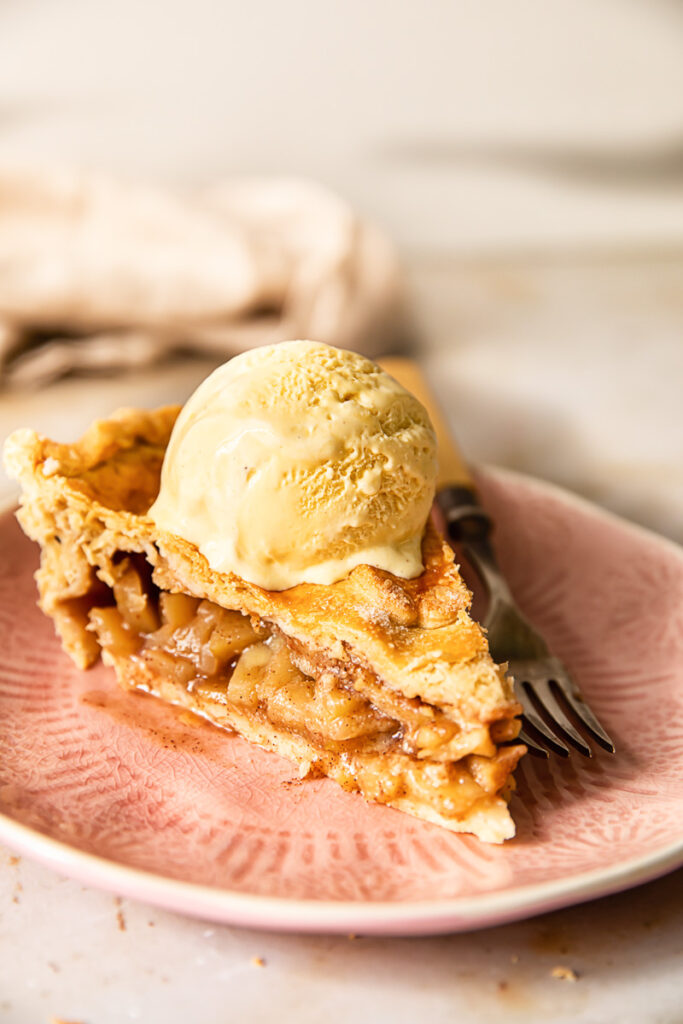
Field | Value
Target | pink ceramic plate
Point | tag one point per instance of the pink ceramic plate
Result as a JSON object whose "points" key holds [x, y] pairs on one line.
{"points": [[123, 792]]}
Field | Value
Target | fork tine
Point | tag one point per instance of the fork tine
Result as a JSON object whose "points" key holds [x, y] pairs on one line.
{"points": [[579, 707], [543, 692], [513, 639], [537, 723], [532, 745]]}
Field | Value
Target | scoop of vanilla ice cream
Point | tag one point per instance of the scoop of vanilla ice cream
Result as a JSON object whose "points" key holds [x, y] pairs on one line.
{"points": [[297, 462]]}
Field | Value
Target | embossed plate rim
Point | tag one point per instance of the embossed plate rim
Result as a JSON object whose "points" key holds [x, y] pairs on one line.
{"points": [[410, 917], [415, 917]]}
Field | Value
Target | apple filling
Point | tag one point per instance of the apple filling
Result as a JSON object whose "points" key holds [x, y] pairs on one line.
{"points": [[243, 673]]}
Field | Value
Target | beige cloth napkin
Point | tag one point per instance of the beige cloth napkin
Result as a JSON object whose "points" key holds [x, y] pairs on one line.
{"points": [[97, 274]]}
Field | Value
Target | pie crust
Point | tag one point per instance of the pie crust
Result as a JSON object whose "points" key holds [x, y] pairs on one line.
{"points": [[383, 684]]}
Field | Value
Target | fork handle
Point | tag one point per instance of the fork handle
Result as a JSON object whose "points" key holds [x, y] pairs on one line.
{"points": [[452, 466], [466, 521], [456, 494]]}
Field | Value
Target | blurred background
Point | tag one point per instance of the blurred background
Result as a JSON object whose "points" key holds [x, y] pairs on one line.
{"points": [[523, 162], [525, 158]]}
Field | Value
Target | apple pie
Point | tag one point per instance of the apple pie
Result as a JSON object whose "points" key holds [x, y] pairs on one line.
{"points": [[381, 683]]}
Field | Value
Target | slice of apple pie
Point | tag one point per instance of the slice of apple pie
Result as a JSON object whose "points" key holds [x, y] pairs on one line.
{"points": [[384, 684]]}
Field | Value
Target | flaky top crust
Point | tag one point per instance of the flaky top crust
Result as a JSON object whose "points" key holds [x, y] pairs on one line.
{"points": [[416, 635]]}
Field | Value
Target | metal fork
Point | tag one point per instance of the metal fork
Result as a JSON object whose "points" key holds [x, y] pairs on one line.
{"points": [[553, 708], [549, 697]]}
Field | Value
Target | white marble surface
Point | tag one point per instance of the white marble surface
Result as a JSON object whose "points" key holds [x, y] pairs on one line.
{"points": [[82, 956], [571, 370]]}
